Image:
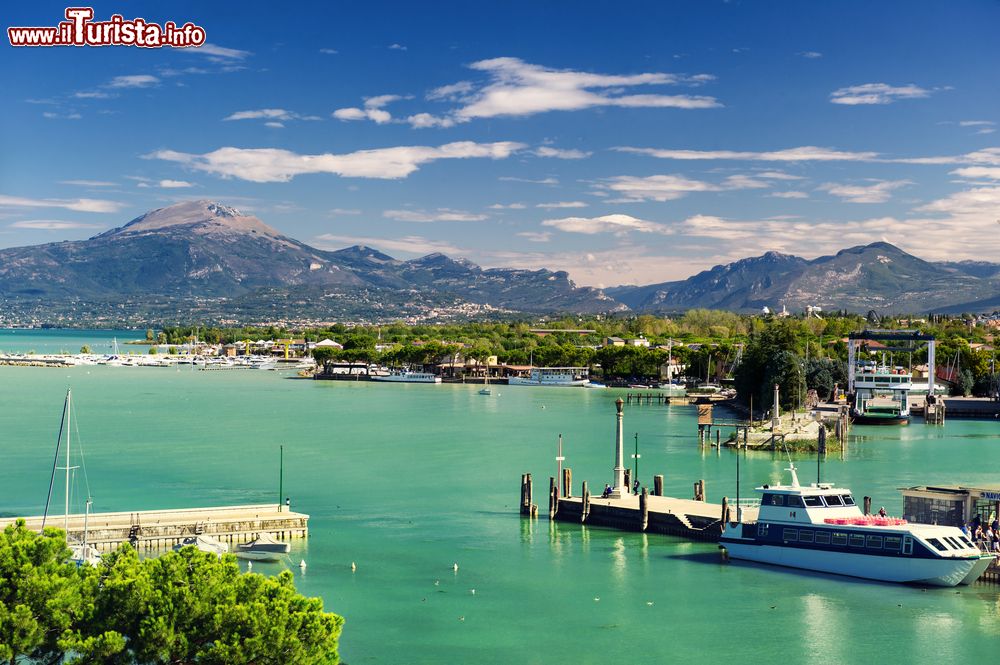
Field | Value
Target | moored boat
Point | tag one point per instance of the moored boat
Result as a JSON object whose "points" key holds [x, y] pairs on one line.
{"points": [[204, 544], [821, 528], [262, 548], [881, 395], [553, 376], [408, 377]]}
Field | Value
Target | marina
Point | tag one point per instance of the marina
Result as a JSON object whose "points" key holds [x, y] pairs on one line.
{"points": [[188, 439]]}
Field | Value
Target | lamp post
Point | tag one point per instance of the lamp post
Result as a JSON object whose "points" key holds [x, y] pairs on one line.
{"points": [[636, 456], [559, 460], [619, 490]]}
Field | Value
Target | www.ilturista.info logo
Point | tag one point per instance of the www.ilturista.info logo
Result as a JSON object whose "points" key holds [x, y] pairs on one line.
{"points": [[80, 30]]}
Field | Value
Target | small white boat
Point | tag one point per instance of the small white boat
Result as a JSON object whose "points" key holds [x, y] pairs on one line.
{"points": [[263, 548], [567, 377], [204, 544]]}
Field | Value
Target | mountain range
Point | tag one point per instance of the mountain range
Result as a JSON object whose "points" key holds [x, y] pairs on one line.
{"points": [[206, 260]]}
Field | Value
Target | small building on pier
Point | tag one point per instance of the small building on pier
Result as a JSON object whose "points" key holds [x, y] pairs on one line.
{"points": [[950, 505]]}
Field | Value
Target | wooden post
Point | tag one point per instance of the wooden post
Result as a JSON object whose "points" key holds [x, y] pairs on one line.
{"points": [[525, 501], [703, 492], [628, 481], [567, 481], [585, 504], [658, 485], [643, 510], [553, 497], [868, 505], [718, 437], [725, 510]]}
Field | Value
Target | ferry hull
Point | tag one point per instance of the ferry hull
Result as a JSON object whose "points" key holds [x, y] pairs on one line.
{"points": [[876, 420], [518, 381], [945, 572]]}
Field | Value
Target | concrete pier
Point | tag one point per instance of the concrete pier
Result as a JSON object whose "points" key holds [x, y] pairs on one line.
{"points": [[160, 529]]}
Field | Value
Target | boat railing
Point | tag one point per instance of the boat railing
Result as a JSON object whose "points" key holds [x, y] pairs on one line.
{"points": [[747, 503]]}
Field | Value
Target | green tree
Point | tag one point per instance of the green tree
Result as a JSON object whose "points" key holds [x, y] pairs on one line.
{"points": [[41, 596], [193, 607], [85, 348]]}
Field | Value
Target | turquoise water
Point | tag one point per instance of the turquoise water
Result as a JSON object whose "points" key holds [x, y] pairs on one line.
{"points": [[67, 340], [407, 480]]}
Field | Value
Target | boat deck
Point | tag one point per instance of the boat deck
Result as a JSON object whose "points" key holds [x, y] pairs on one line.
{"points": [[159, 529]]}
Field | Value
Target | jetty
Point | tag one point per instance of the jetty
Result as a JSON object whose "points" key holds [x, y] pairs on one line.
{"points": [[161, 529], [623, 507]]}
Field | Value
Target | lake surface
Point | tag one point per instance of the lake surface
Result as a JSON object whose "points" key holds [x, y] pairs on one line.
{"points": [[406, 480]]}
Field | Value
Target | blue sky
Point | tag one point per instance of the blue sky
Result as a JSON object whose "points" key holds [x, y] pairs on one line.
{"points": [[623, 142]]}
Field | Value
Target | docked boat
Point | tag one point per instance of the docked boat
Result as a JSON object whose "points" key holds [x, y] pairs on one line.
{"points": [[407, 377], [204, 544], [263, 548], [553, 376], [821, 528], [881, 395]]}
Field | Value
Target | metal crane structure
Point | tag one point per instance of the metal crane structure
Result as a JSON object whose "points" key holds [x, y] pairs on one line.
{"points": [[914, 337]]}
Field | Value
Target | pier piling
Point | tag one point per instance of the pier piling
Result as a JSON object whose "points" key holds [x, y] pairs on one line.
{"points": [[567, 482], [643, 510], [585, 507], [658, 485]]}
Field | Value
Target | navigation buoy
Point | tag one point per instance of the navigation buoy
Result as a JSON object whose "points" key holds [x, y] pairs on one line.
{"points": [[455, 567], [302, 564], [354, 566], [249, 565]]}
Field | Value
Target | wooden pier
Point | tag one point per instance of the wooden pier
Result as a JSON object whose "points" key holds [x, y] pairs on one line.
{"points": [[161, 529]]}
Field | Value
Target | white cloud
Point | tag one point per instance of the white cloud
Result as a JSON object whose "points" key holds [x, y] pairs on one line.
{"points": [[372, 110], [789, 195], [133, 81], [88, 183], [975, 123], [412, 245], [344, 211], [777, 175], [616, 223], [52, 225], [274, 124], [518, 88], [262, 114], [217, 51], [329, 51], [536, 236], [812, 55], [453, 92], [92, 94], [563, 204], [61, 116], [80, 205], [876, 93], [536, 181], [561, 153], [509, 206], [633, 189], [174, 184], [439, 215], [276, 165], [877, 192], [807, 153], [424, 120], [978, 172], [397, 47]]}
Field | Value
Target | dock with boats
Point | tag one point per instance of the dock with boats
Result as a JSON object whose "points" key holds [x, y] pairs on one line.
{"points": [[162, 529]]}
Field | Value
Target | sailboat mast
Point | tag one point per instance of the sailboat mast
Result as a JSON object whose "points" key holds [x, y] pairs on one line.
{"points": [[69, 405]]}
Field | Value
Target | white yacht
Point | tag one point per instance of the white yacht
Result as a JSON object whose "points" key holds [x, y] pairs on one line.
{"points": [[553, 376], [204, 544], [407, 377], [263, 548], [821, 528]]}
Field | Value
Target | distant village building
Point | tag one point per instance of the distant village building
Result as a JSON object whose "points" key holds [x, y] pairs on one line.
{"points": [[614, 341]]}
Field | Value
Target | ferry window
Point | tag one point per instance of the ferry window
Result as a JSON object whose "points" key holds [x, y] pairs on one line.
{"points": [[805, 536], [875, 542], [794, 502], [790, 535], [776, 500], [892, 543], [762, 529], [857, 540], [954, 543], [813, 501], [840, 539], [907, 545], [833, 500], [967, 542], [848, 499], [822, 538], [937, 544]]}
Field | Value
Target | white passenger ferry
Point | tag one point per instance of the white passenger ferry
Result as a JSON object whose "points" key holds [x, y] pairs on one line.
{"points": [[407, 377], [821, 528], [881, 394], [553, 376]]}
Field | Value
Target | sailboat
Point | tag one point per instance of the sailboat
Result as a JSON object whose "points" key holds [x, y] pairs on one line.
{"points": [[80, 553]]}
